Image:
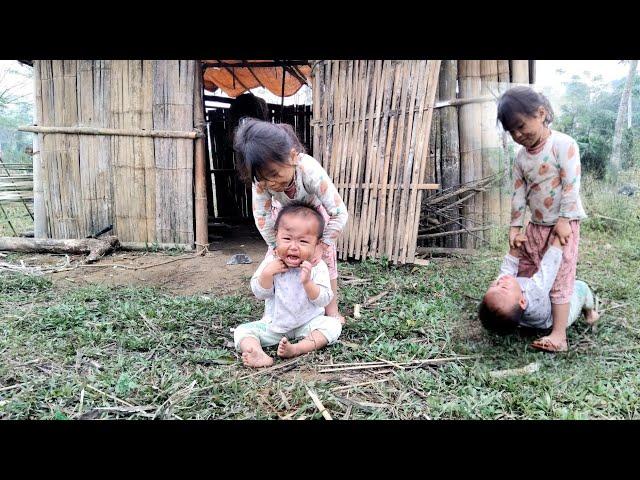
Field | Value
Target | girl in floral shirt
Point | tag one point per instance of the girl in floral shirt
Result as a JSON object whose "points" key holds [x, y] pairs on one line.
{"points": [[272, 159], [546, 176]]}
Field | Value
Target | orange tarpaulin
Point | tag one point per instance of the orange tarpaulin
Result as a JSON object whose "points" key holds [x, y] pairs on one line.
{"points": [[234, 77]]}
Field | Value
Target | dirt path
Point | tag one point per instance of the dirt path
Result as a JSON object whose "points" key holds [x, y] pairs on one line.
{"points": [[187, 275]]}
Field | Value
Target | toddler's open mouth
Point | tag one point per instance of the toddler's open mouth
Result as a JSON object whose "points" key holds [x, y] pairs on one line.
{"points": [[292, 260]]}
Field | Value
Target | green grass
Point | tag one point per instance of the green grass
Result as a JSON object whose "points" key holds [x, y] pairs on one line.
{"points": [[147, 347]]}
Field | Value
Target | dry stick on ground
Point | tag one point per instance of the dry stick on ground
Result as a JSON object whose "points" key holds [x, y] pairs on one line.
{"points": [[319, 405], [361, 384], [94, 247], [11, 387], [374, 299], [144, 266], [412, 364]]}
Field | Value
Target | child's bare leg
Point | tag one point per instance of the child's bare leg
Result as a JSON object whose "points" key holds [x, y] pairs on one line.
{"points": [[314, 341], [253, 355], [331, 310]]}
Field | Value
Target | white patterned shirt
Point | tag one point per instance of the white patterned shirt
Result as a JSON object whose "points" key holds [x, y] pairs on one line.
{"points": [[536, 289], [287, 305]]}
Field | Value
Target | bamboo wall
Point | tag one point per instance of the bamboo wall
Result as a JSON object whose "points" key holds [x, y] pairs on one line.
{"points": [[143, 186], [371, 133], [374, 134]]}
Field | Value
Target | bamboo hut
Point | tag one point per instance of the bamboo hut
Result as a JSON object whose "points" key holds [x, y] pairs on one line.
{"points": [[139, 146]]}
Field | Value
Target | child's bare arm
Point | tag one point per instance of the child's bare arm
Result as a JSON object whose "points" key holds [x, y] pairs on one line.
{"points": [[519, 239], [273, 268]]}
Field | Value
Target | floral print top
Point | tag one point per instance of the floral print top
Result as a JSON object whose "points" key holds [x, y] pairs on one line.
{"points": [[312, 185], [548, 182]]}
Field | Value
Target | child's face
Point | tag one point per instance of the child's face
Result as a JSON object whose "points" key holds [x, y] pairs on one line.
{"points": [[504, 293], [276, 176], [296, 239], [527, 130]]}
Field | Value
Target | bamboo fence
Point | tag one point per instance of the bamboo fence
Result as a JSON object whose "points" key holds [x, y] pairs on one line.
{"points": [[116, 142], [388, 145], [371, 133]]}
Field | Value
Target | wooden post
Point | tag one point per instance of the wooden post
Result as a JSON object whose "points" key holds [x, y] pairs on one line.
{"points": [[201, 214]]}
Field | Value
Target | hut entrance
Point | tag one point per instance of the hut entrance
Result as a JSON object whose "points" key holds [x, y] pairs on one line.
{"points": [[276, 91]]}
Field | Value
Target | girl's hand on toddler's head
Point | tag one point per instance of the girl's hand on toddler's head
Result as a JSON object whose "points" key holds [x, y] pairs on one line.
{"points": [[305, 272]]}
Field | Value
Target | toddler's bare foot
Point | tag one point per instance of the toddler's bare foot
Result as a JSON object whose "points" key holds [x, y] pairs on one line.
{"points": [[287, 349], [256, 358], [591, 316]]}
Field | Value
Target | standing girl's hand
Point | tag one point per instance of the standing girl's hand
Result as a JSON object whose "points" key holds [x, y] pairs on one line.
{"points": [[321, 248], [513, 233], [305, 272], [563, 230]]}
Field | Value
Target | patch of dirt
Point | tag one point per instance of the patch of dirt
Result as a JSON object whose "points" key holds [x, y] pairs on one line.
{"points": [[183, 274]]}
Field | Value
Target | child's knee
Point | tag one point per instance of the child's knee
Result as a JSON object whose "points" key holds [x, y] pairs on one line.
{"points": [[240, 334], [331, 328]]}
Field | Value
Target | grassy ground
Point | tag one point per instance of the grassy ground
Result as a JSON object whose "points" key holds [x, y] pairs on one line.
{"points": [[95, 352]]}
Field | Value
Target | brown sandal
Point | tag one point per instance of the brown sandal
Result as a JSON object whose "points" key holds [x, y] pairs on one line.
{"points": [[546, 345]]}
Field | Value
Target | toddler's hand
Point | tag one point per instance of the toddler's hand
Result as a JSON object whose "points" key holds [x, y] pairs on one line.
{"points": [[275, 267], [305, 272]]}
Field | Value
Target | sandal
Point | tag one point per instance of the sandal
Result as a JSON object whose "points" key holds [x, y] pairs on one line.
{"points": [[546, 345]]}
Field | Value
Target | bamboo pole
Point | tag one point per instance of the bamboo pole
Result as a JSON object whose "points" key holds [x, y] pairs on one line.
{"points": [[398, 154], [39, 210], [470, 139], [200, 187], [505, 197], [412, 169], [519, 71], [374, 106], [450, 140], [431, 88], [490, 141], [127, 132], [380, 228]]}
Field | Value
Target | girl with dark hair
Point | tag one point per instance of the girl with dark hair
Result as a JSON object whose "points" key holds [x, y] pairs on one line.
{"points": [[546, 175], [273, 161]]}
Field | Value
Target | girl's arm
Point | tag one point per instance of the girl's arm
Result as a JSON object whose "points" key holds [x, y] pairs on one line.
{"points": [[519, 199], [261, 200], [570, 170], [317, 181]]}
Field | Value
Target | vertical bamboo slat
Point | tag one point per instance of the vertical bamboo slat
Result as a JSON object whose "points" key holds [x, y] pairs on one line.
{"points": [[40, 229], [450, 153], [490, 140], [200, 185], [505, 196], [519, 71], [470, 139]]}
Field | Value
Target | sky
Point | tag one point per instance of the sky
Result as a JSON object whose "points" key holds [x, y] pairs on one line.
{"points": [[546, 76]]}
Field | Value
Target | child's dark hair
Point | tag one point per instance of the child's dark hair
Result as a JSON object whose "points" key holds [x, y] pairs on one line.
{"points": [[298, 207], [257, 143], [521, 101], [499, 322]]}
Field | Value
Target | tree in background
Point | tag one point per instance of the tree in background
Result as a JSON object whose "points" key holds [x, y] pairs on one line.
{"points": [[587, 111], [16, 109], [615, 163]]}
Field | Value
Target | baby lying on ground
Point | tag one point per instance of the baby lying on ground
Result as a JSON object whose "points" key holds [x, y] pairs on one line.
{"points": [[294, 291], [513, 301]]}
